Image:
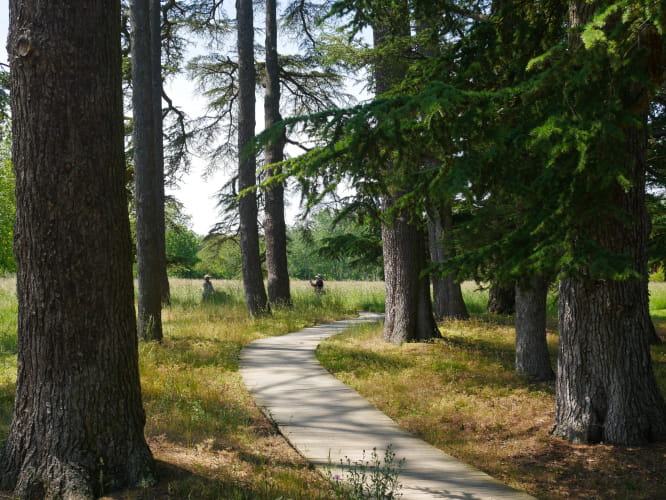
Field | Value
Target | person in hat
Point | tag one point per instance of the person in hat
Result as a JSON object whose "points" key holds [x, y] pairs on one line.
{"points": [[318, 284], [207, 290]]}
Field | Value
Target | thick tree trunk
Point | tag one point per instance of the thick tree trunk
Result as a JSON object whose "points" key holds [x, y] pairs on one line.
{"points": [[253, 282], [145, 174], [501, 298], [156, 76], [448, 298], [408, 304], [275, 228], [409, 315], [606, 389], [78, 418], [532, 358]]}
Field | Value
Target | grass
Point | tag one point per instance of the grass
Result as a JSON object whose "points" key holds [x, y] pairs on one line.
{"points": [[460, 393], [209, 438]]}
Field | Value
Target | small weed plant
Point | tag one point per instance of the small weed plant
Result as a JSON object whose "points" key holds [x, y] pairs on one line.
{"points": [[376, 478]]}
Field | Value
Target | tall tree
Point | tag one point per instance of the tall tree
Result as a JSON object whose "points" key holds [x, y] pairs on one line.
{"points": [[606, 389], [77, 424], [156, 96], [275, 228], [146, 168], [253, 283], [409, 314]]}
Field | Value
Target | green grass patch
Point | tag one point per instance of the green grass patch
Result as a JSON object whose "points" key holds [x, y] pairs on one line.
{"points": [[209, 437], [461, 394]]}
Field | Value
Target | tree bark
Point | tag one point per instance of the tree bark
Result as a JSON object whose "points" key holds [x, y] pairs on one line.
{"points": [[449, 302], [145, 174], [532, 357], [409, 315], [606, 389], [156, 77], [253, 282], [77, 423], [501, 298], [275, 228]]}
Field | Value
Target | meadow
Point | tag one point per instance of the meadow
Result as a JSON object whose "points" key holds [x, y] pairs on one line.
{"points": [[459, 393]]}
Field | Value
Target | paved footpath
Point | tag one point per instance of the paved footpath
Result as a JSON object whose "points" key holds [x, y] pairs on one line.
{"points": [[327, 421]]}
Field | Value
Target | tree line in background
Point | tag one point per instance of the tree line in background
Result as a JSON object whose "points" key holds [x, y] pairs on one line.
{"points": [[506, 142]]}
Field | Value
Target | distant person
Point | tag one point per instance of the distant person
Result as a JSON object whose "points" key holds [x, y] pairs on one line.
{"points": [[318, 284], [207, 290]]}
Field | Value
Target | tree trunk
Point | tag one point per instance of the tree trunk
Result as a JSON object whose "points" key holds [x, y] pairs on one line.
{"points": [[253, 282], [275, 228], [501, 298], [447, 293], [156, 77], [77, 424], [532, 358], [145, 174], [409, 315], [408, 304], [606, 389]]}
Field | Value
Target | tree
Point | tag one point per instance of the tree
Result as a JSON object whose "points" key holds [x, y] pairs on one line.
{"points": [[253, 283], [337, 245], [77, 423], [408, 306], [275, 228], [156, 97], [149, 205], [182, 244], [532, 358], [606, 390], [448, 299], [501, 298]]}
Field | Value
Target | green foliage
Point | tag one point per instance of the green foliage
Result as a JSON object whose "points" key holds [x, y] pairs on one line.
{"points": [[7, 207], [528, 131], [182, 244], [375, 478], [220, 257], [336, 249]]}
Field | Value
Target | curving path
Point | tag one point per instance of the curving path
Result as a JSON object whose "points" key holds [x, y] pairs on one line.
{"points": [[327, 421]]}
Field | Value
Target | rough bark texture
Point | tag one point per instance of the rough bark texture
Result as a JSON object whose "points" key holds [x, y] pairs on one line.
{"points": [[156, 78], [253, 282], [275, 228], [145, 174], [606, 389], [409, 315], [78, 418], [447, 293], [501, 298], [532, 357]]}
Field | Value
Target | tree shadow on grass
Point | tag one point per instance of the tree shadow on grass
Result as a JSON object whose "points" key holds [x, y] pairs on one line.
{"points": [[197, 352], [178, 483], [492, 354], [361, 361]]}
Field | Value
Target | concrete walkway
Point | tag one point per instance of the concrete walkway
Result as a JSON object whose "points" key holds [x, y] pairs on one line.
{"points": [[327, 421]]}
